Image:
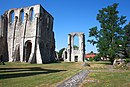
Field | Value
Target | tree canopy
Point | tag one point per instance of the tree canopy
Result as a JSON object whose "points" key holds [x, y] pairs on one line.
{"points": [[126, 40], [60, 52], [109, 38]]}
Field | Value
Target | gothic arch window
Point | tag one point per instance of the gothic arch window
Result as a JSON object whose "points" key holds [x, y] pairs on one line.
{"points": [[11, 17], [31, 14], [22, 16], [76, 42]]}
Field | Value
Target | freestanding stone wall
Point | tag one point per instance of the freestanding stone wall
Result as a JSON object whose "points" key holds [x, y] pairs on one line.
{"points": [[75, 55], [29, 35]]}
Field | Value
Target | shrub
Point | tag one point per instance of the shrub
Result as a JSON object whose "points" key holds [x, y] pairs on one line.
{"points": [[127, 60]]}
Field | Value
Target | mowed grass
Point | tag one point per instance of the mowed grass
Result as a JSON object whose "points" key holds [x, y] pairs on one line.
{"points": [[103, 75], [107, 79], [49, 75], [37, 75]]}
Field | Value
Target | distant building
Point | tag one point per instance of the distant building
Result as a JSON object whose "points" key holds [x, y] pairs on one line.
{"points": [[90, 55], [26, 35]]}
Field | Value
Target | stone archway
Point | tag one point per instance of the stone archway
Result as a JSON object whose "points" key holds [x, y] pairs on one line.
{"points": [[27, 50], [75, 53]]}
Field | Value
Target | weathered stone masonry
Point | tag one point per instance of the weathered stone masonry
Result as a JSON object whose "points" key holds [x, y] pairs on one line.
{"points": [[75, 55], [28, 35]]}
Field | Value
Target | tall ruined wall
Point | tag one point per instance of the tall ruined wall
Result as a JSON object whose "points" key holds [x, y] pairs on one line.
{"points": [[30, 35], [21, 28], [47, 36], [3, 37]]}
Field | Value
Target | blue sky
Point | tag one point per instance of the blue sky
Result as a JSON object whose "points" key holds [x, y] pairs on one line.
{"points": [[70, 15]]}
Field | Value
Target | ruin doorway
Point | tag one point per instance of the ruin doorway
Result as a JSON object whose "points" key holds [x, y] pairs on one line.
{"points": [[76, 58], [17, 53], [27, 50], [65, 55]]}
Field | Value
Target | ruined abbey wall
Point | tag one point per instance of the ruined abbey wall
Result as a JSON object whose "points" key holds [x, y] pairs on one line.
{"points": [[29, 35]]}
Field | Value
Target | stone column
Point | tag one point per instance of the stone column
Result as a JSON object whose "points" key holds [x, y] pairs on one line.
{"points": [[13, 40], [22, 56], [81, 47], [69, 48], [72, 49], [38, 54]]}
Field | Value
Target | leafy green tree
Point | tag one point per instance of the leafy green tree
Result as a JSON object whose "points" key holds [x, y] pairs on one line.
{"points": [[126, 40], [76, 47], [107, 39], [60, 52]]}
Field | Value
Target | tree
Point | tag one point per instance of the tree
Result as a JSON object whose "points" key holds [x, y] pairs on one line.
{"points": [[107, 39], [126, 40], [76, 47], [60, 52], [91, 52]]}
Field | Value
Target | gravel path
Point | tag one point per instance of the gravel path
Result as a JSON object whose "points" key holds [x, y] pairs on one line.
{"points": [[75, 80]]}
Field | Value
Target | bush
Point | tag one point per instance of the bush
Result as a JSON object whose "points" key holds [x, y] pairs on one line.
{"points": [[127, 60], [96, 58], [91, 59]]}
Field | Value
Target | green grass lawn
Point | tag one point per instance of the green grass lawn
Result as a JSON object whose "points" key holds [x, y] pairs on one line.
{"points": [[103, 76], [36, 75], [108, 79], [49, 75]]}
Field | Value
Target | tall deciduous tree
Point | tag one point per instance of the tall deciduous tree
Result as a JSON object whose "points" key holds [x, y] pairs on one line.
{"points": [[107, 39]]}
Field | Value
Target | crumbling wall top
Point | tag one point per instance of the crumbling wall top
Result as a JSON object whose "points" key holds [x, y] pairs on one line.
{"points": [[76, 33]]}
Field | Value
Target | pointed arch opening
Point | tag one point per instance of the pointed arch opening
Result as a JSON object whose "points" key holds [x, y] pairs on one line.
{"points": [[27, 50], [31, 13], [76, 42], [22, 16], [11, 15]]}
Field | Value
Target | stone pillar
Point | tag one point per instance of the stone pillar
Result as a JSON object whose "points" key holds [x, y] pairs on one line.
{"points": [[13, 39], [72, 50], [69, 48], [81, 46], [38, 54], [22, 56], [69, 39]]}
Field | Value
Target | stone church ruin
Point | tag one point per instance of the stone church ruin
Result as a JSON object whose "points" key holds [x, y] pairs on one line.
{"points": [[70, 54], [26, 35]]}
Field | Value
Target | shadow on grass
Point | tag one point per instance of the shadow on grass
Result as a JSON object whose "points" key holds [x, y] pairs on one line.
{"points": [[6, 73]]}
